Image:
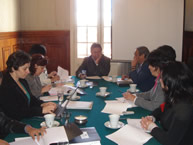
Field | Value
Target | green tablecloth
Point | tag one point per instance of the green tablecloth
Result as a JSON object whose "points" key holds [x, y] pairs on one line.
{"points": [[95, 117]]}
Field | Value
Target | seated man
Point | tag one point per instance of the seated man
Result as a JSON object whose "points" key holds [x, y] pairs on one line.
{"points": [[95, 65], [141, 75]]}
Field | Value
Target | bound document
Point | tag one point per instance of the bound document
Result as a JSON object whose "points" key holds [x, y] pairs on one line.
{"points": [[53, 135], [88, 137]]}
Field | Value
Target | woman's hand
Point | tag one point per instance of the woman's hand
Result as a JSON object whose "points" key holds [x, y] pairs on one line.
{"points": [[55, 78], [35, 132], [49, 107], [147, 123], [2, 142], [53, 73], [46, 88], [49, 104], [129, 96]]}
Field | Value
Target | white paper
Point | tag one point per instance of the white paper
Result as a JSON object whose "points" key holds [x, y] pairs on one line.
{"points": [[54, 135], [22, 138], [135, 123], [115, 107], [107, 78], [93, 77], [49, 98], [83, 105], [26, 141], [130, 103], [53, 91], [129, 135], [63, 73]]}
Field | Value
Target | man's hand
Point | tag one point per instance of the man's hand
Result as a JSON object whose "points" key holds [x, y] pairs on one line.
{"points": [[98, 59], [134, 63]]}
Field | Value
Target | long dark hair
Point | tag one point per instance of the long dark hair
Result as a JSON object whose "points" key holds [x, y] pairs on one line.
{"points": [[178, 82]]}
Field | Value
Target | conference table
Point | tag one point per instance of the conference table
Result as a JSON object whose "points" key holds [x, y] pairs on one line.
{"points": [[95, 117]]}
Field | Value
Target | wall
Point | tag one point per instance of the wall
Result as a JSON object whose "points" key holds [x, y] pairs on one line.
{"points": [[189, 15], [45, 15], [47, 22], [9, 25], [188, 34], [10, 15], [151, 23]]}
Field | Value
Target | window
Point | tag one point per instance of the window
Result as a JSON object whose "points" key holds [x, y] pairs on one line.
{"points": [[93, 24]]}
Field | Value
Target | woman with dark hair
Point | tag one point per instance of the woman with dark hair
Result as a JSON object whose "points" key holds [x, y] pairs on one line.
{"points": [[16, 98], [176, 114], [152, 99], [38, 64], [8, 125], [45, 78]]}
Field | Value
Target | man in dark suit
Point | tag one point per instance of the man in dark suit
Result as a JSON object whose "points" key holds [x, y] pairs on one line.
{"points": [[140, 73]]}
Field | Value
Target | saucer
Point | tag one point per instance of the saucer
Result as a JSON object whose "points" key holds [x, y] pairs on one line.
{"points": [[137, 90], [108, 125], [74, 99], [56, 123], [99, 94]]}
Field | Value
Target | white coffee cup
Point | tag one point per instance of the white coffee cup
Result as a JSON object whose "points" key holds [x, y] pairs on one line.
{"points": [[114, 119], [133, 87], [103, 90], [82, 83], [114, 78], [49, 120]]}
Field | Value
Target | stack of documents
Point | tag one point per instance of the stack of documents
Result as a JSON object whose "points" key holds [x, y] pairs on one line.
{"points": [[115, 107], [53, 135]]}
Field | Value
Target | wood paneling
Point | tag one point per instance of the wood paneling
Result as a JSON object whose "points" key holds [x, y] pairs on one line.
{"points": [[187, 46], [56, 42], [9, 42]]}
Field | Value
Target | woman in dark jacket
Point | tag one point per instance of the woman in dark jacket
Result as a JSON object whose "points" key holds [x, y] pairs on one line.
{"points": [[8, 125], [16, 98], [176, 114]]}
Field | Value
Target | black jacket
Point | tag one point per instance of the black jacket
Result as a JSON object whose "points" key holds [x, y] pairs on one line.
{"points": [[14, 101], [9, 126], [177, 124]]}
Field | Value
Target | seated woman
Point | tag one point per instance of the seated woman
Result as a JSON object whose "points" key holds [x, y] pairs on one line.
{"points": [[16, 98], [45, 78], [8, 125], [152, 99], [176, 114], [37, 66]]}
